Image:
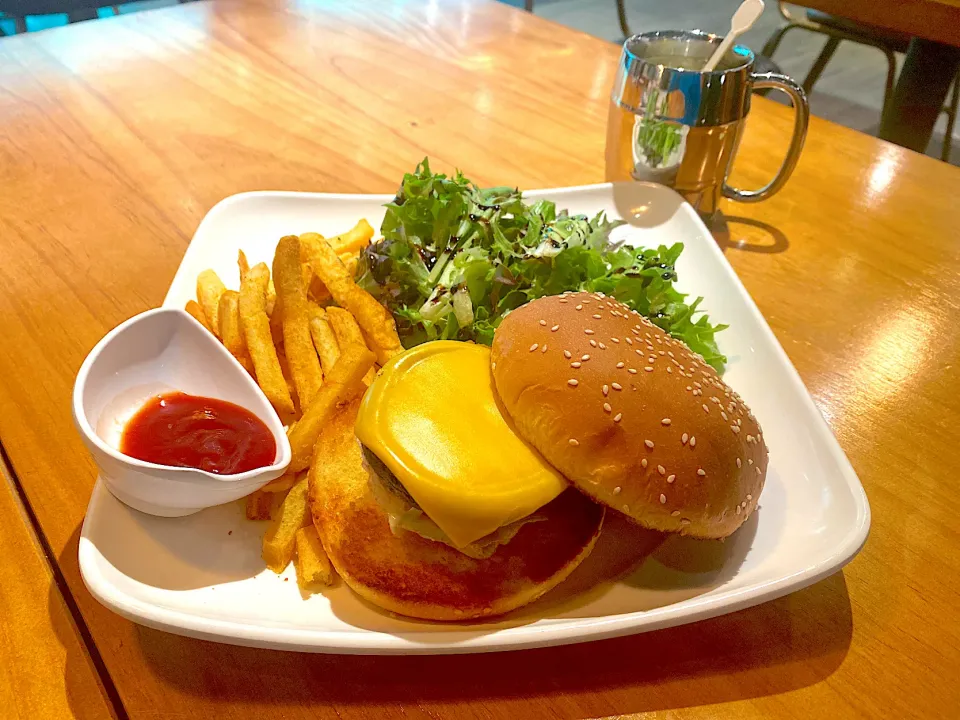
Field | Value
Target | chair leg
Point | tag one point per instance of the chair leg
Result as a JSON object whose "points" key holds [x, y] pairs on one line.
{"points": [[951, 120], [770, 47], [820, 64], [20, 24], [622, 17], [891, 77], [528, 5]]}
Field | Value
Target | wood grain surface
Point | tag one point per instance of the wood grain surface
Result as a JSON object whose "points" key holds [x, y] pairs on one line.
{"points": [[931, 19], [45, 670], [117, 136]]}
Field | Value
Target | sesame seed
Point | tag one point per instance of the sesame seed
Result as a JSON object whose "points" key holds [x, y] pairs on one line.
{"points": [[669, 353], [573, 442], [739, 463], [543, 349], [648, 368], [738, 509], [684, 521], [579, 307], [543, 322], [607, 408], [693, 441], [675, 513], [665, 421], [629, 340], [661, 352], [616, 490], [749, 497], [616, 418], [670, 370], [758, 470], [671, 478], [605, 390], [616, 340], [750, 461], [616, 386], [626, 508], [743, 504], [575, 364], [602, 346], [696, 384], [648, 443], [661, 470], [534, 347], [620, 364], [749, 438], [584, 357], [554, 328], [701, 472], [572, 383], [567, 354], [651, 359], [596, 316], [735, 428], [564, 302], [593, 343], [705, 408], [643, 462], [723, 415], [588, 331], [663, 499], [684, 438], [632, 371]]}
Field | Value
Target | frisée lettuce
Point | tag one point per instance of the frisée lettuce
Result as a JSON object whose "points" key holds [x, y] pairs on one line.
{"points": [[456, 258]]}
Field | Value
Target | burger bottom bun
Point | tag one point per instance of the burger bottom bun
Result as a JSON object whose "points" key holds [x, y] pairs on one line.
{"points": [[410, 575]]}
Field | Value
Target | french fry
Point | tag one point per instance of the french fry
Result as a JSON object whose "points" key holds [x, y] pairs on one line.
{"points": [[354, 240], [311, 561], [280, 484], [242, 264], [193, 307], [297, 343], [348, 333], [259, 505], [230, 332], [209, 290], [371, 315], [324, 339], [279, 540], [350, 263], [343, 383], [256, 332]]}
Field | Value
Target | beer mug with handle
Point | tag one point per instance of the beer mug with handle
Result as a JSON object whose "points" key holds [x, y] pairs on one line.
{"points": [[673, 124]]}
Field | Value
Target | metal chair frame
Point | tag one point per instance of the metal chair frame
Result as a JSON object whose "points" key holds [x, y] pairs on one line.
{"points": [[834, 37], [621, 15]]}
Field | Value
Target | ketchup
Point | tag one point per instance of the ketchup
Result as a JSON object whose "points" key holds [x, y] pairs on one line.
{"points": [[198, 432]]}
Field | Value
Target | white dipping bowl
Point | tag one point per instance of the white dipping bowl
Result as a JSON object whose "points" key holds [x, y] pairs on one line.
{"points": [[160, 351]]}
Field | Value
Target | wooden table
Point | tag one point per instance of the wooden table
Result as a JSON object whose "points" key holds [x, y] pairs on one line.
{"points": [[117, 136]]}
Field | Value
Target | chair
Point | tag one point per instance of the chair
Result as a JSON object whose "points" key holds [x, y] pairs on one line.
{"points": [[836, 29], [621, 15]]}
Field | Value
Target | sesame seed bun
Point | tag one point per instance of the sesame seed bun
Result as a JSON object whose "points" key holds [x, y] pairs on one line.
{"points": [[629, 415], [410, 575]]}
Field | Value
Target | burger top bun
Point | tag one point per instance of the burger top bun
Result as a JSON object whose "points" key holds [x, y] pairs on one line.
{"points": [[631, 416]]}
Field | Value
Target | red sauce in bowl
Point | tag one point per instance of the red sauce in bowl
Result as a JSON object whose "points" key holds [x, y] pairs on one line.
{"points": [[183, 430]]}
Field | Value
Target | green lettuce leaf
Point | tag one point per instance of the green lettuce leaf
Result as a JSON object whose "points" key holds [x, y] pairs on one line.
{"points": [[456, 258]]}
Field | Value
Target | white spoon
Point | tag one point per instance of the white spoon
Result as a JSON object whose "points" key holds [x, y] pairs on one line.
{"points": [[743, 19]]}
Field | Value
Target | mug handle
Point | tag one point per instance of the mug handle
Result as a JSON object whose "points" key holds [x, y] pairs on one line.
{"points": [[801, 117]]}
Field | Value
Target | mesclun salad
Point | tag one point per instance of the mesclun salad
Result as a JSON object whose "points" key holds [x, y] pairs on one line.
{"points": [[456, 258]]}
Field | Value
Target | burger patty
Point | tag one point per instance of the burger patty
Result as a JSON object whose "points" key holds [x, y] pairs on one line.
{"points": [[387, 479]]}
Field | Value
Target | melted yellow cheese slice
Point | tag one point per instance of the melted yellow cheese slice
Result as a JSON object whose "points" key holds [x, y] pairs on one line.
{"points": [[432, 417]]}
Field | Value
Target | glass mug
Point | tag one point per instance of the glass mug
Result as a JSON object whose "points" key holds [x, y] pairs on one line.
{"points": [[673, 124]]}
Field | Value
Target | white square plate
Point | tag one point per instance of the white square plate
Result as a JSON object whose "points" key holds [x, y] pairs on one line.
{"points": [[202, 575]]}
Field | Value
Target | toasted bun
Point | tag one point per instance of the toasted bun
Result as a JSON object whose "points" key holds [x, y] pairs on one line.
{"points": [[631, 416], [410, 575]]}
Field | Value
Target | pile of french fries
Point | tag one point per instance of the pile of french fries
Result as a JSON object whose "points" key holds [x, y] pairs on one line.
{"points": [[312, 339]]}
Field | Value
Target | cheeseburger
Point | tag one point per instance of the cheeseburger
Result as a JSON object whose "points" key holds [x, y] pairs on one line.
{"points": [[446, 492]]}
